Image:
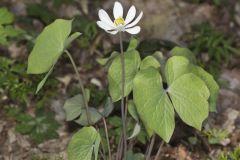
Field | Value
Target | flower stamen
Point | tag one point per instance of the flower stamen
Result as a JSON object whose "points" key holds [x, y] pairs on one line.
{"points": [[119, 21]]}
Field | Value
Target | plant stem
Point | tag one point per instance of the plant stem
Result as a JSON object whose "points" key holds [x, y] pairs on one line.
{"points": [[159, 151], [81, 86], [119, 148], [122, 98], [107, 137], [103, 152], [150, 147]]}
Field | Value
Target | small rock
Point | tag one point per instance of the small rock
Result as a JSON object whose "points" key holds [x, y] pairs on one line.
{"points": [[231, 116], [65, 79], [96, 82], [2, 124], [11, 136], [237, 13], [57, 107]]}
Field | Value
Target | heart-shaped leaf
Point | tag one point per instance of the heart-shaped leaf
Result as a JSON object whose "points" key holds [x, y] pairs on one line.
{"points": [[176, 66], [49, 46], [108, 107], [94, 116], [189, 96], [136, 131], [185, 52], [84, 144], [132, 110], [73, 107], [152, 103], [132, 63], [149, 61], [211, 84], [133, 44]]}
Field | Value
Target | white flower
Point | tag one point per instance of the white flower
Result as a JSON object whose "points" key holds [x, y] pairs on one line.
{"points": [[119, 24]]}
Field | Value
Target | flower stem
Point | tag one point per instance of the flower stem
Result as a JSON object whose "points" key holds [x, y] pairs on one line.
{"points": [[119, 148], [107, 137], [122, 99], [81, 86], [150, 147]]}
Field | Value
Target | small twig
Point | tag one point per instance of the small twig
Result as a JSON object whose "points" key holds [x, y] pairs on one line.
{"points": [[150, 147], [81, 86], [107, 137], [159, 151]]}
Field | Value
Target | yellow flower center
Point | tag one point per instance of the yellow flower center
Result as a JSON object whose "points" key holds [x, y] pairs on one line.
{"points": [[119, 21]]}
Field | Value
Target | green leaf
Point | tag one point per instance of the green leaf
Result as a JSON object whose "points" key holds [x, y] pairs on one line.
{"points": [[73, 107], [43, 81], [132, 110], [108, 107], [6, 16], [45, 129], [94, 115], [132, 63], [8, 32], [71, 38], [87, 94], [24, 128], [185, 52], [150, 61], [96, 146], [152, 103], [49, 46], [176, 66], [115, 121], [189, 96], [134, 156], [211, 84], [107, 61], [136, 131], [133, 44], [83, 144]]}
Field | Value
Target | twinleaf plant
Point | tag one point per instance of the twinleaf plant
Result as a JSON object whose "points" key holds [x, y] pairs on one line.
{"points": [[152, 89]]}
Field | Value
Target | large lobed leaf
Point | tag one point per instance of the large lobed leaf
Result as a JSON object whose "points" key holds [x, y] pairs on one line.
{"points": [[178, 65], [188, 92]]}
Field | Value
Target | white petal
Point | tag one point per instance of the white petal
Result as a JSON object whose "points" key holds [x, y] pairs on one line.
{"points": [[104, 26], [103, 16], [134, 30], [130, 15], [117, 10], [135, 21], [112, 32]]}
